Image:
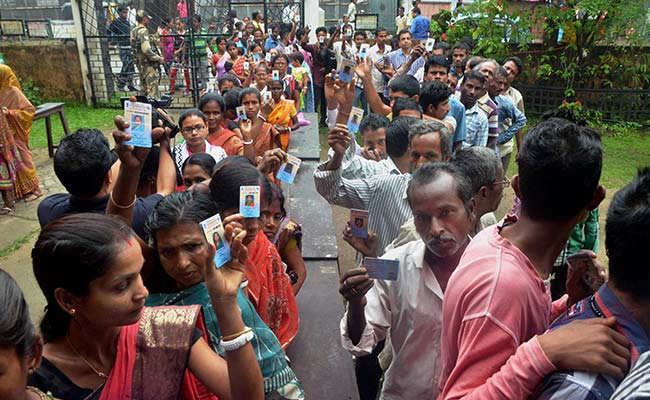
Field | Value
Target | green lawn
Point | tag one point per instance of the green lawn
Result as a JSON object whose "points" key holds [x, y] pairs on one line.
{"points": [[78, 116]]}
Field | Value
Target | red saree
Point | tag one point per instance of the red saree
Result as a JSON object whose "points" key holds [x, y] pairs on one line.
{"points": [[270, 289], [228, 140], [152, 357]]}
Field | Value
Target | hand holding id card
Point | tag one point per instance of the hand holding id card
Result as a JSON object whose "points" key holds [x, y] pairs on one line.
{"points": [[288, 170], [249, 201], [356, 115], [139, 117], [347, 70], [359, 223], [380, 268], [214, 234]]}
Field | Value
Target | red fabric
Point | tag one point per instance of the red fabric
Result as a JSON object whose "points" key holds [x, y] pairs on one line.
{"points": [[118, 384], [228, 140], [270, 289], [193, 389]]}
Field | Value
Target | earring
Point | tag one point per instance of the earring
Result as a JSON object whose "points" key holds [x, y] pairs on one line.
{"points": [[72, 311]]}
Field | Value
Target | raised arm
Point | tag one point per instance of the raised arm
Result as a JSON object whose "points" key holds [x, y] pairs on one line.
{"points": [[363, 72]]}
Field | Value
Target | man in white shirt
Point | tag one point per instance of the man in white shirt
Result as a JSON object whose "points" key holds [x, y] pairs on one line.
{"points": [[376, 54], [411, 306], [352, 12]]}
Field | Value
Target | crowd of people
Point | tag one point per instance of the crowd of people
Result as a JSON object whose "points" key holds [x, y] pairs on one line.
{"points": [[137, 308]]}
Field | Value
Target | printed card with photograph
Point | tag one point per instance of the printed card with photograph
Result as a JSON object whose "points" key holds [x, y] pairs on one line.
{"points": [[288, 50], [241, 113], [288, 170], [269, 32], [359, 223], [215, 235], [249, 201], [139, 117], [356, 115], [268, 57], [275, 75], [347, 70], [379, 268], [429, 45], [246, 65], [363, 50], [267, 97]]}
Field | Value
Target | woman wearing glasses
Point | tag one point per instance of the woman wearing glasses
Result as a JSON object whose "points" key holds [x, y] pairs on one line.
{"points": [[194, 127]]}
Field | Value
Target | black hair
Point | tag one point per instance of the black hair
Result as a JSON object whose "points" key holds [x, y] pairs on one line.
{"points": [[231, 173], [70, 253], [380, 29], [425, 127], [297, 56], [416, 10], [167, 20], [247, 91], [177, 208], [228, 78], [463, 46], [430, 171], [82, 161], [397, 136], [405, 103], [517, 61], [231, 99], [208, 97], [360, 33], [474, 75], [474, 61], [331, 30], [278, 194], [203, 160], [479, 164], [441, 45], [626, 235], [501, 71], [281, 55], [463, 65], [559, 169], [471, 43], [300, 32], [16, 328], [373, 122], [196, 17], [150, 167], [565, 113], [255, 14], [433, 93], [231, 43], [437, 60], [321, 29], [403, 31], [252, 47], [406, 84], [192, 112]]}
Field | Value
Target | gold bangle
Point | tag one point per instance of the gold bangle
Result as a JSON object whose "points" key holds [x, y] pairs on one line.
{"points": [[119, 206], [235, 335]]}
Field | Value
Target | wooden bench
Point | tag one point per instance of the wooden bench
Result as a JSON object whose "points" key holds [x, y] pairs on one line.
{"points": [[46, 111]]}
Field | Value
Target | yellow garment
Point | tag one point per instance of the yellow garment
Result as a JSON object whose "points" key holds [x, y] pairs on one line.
{"points": [[8, 78]]}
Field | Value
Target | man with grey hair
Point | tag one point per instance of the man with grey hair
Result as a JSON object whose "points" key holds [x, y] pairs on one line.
{"points": [[485, 173], [488, 68], [410, 307], [384, 195]]}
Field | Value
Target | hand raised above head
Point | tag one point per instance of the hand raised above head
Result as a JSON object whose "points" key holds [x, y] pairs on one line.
{"points": [[339, 139], [223, 283], [271, 161]]}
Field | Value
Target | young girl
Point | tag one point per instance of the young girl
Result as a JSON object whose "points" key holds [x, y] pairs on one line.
{"points": [[286, 235], [262, 134], [197, 168], [301, 74], [283, 115], [194, 127]]}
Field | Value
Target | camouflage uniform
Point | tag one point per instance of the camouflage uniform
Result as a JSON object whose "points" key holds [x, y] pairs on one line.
{"points": [[148, 59]]}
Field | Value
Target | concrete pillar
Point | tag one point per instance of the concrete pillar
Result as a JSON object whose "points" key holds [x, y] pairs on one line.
{"points": [[76, 16]]}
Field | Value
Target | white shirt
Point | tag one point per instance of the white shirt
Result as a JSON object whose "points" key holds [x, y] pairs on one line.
{"points": [[352, 12], [411, 307], [350, 52], [377, 77], [182, 153]]}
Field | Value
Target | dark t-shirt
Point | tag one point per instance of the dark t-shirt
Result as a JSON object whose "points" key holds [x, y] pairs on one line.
{"points": [[60, 204]]}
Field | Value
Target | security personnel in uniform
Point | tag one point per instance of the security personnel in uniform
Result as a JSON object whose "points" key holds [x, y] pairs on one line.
{"points": [[146, 55]]}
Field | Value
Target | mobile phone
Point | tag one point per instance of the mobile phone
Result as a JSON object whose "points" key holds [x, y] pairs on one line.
{"points": [[591, 279]]}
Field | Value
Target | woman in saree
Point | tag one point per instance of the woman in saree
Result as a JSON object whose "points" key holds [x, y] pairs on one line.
{"points": [[18, 179], [283, 115], [269, 287], [286, 235], [102, 343], [181, 247], [255, 129]]}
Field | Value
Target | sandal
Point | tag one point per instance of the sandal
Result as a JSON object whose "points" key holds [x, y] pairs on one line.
{"points": [[33, 196], [5, 210]]}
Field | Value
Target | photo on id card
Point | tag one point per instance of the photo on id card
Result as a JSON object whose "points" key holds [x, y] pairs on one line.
{"points": [[380, 268], [356, 115], [139, 117], [249, 201], [359, 223], [214, 233], [287, 172], [347, 70]]}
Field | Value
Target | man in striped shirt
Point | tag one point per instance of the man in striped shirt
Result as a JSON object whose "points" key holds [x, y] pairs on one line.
{"points": [[488, 69]]}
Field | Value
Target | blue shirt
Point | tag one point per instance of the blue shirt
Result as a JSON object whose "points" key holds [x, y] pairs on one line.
{"points": [[457, 111], [578, 385], [270, 43], [507, 110], [420, 28], [397, 58]]}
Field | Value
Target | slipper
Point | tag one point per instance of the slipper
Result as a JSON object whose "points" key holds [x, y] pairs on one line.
{"points": [[5, 210], [32, 196]]}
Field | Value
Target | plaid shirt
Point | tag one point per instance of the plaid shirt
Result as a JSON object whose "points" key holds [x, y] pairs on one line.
{"points": [[578, 385], [477, 127]]}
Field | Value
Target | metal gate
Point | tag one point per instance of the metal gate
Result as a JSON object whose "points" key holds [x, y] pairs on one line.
{"points": [[110, 77]]}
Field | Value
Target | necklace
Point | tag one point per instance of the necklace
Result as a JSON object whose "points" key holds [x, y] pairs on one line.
{"points": [[95, 370], [40, 394]]}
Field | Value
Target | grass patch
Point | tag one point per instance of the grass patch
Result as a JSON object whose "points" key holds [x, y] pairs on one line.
{"points": [[18, 243], [79, 115]]}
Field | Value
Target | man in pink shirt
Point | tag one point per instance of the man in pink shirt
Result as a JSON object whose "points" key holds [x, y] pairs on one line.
{"points": [[497, 305]]}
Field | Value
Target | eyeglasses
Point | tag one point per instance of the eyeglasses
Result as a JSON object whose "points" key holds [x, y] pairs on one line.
{"points": [[505, 182], [190, 129]]}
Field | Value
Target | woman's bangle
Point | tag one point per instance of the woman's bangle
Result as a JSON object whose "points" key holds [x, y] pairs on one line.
{"points": [[119, 206], [238, 342], [235, 335], [247, 143]]}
